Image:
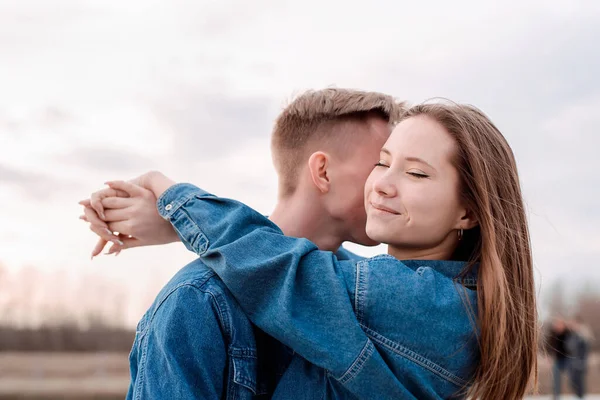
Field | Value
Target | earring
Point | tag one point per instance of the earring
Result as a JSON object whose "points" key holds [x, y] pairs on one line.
{"points": [[460, 234]]}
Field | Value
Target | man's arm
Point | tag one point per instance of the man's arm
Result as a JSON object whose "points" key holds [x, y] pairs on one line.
{"points": [[182, 352]]}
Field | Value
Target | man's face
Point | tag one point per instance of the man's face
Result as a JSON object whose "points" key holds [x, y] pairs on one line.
{"points": [[347, 195]]}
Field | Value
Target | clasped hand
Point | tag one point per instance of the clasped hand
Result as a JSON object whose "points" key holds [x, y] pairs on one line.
{"points": [[125, 214]]}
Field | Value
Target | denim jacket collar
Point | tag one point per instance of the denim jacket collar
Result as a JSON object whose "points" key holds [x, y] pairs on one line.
{"points": [[454, 270]]}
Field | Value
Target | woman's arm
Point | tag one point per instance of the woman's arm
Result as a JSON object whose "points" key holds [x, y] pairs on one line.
{"points": [[290, 289], [287, 287]]}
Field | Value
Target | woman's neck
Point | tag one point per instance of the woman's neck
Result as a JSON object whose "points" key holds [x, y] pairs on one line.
{"points": [[443, 251]]}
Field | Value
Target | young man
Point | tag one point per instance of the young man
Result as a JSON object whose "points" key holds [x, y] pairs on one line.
{"points": [[195, 341]]}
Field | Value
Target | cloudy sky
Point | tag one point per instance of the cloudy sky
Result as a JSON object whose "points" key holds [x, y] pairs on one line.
{"points": [[92, 90]]}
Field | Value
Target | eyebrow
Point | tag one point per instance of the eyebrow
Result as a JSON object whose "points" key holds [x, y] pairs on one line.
{"points": [[414, 159]]}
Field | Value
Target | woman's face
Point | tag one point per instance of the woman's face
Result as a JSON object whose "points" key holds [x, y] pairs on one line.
{"points": [[412, 196]]}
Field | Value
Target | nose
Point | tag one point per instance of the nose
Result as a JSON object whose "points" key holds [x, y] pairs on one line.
{"points": [[383, 187]]}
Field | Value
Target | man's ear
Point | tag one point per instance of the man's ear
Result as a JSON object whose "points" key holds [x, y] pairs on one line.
{"points": [[317, 167]]}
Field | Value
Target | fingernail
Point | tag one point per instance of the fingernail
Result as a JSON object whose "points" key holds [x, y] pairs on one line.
{"points": [[92, 258], [117, 241], [103, 216], [109, 231]]}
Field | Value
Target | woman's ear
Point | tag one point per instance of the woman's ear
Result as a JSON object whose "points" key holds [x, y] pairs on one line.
{"points": [[468, 220], [317, 167]]}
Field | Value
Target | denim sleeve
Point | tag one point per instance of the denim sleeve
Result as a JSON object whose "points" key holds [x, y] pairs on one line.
{"points": [[179, 360], [290, 289]]}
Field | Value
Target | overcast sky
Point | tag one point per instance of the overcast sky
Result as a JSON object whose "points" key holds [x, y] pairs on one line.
{"points": [[92, 90]]}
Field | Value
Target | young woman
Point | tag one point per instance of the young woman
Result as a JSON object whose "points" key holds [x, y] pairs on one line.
{"points": [[450, 309]]}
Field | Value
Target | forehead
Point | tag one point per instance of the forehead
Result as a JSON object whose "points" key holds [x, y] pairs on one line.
{"points": [[421, 137]]}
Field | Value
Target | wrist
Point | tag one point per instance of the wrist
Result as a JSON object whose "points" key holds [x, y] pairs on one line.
{"points": [[174, 237], [158, 183]]}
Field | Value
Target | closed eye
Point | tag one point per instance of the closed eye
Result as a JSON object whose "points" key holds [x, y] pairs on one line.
{"points": [[418, 175], [380, 164]]}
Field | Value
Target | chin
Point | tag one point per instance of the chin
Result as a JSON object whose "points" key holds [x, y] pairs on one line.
{"points": [[367, 241], [363, 239], [376, 235]]}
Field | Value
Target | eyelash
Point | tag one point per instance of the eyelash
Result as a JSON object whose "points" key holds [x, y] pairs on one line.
{"points": [[418, 176]]}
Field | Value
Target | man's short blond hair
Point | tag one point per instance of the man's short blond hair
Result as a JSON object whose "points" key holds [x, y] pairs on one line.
{"points": [[313, 117]]}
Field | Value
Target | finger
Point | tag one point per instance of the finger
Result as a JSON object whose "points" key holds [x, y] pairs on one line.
{"points": [[117, 202], [117, 215], [92, 217], [99, 247], [83, 217], [86, 203], [123, 227], [128, 243], [114, 249], [128, 187], [97, 197], [105, 234]]}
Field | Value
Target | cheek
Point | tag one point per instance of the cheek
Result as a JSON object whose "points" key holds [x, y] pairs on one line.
{"points": [[356, 199], [350, 201], [368, 186], [435, 206]]}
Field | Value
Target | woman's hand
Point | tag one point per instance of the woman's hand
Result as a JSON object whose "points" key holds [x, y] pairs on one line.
{"points": [[130, 210]]}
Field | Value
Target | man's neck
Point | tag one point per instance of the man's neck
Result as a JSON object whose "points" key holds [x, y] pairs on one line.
{"points": [[298, 217]]}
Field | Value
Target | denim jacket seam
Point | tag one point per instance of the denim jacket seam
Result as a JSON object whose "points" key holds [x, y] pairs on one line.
{"points": [[414, 357], [224, 316], [468, 282], [244, 355], [361, 289], [139, 382], [242, 352], [358, 363]]}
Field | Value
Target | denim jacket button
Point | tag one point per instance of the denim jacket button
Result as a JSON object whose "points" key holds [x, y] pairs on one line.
{"points": [[168, 207]]}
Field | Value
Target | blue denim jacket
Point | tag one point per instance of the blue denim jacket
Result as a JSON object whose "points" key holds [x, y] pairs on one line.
{"points": [[379, 328], [195, 342]]}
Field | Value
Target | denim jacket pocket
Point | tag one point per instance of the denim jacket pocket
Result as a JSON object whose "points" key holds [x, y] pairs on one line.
{"points": [[244, 366]]}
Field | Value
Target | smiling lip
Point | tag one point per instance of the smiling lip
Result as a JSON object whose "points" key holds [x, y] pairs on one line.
{"points": [[384, 208]]}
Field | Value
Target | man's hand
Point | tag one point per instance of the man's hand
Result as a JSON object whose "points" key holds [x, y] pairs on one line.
{"points": [[131, 211]]}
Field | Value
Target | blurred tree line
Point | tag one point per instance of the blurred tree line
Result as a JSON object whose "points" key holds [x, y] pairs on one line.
{"points": [[66, 338], [51, 311], [56, 311]]}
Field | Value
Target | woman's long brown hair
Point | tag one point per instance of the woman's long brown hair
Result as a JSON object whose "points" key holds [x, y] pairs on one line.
{"points": [[506, 309]]}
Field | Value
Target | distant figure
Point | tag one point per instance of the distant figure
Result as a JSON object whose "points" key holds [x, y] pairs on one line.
{"points": [[578, 345], [559, 335]]}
